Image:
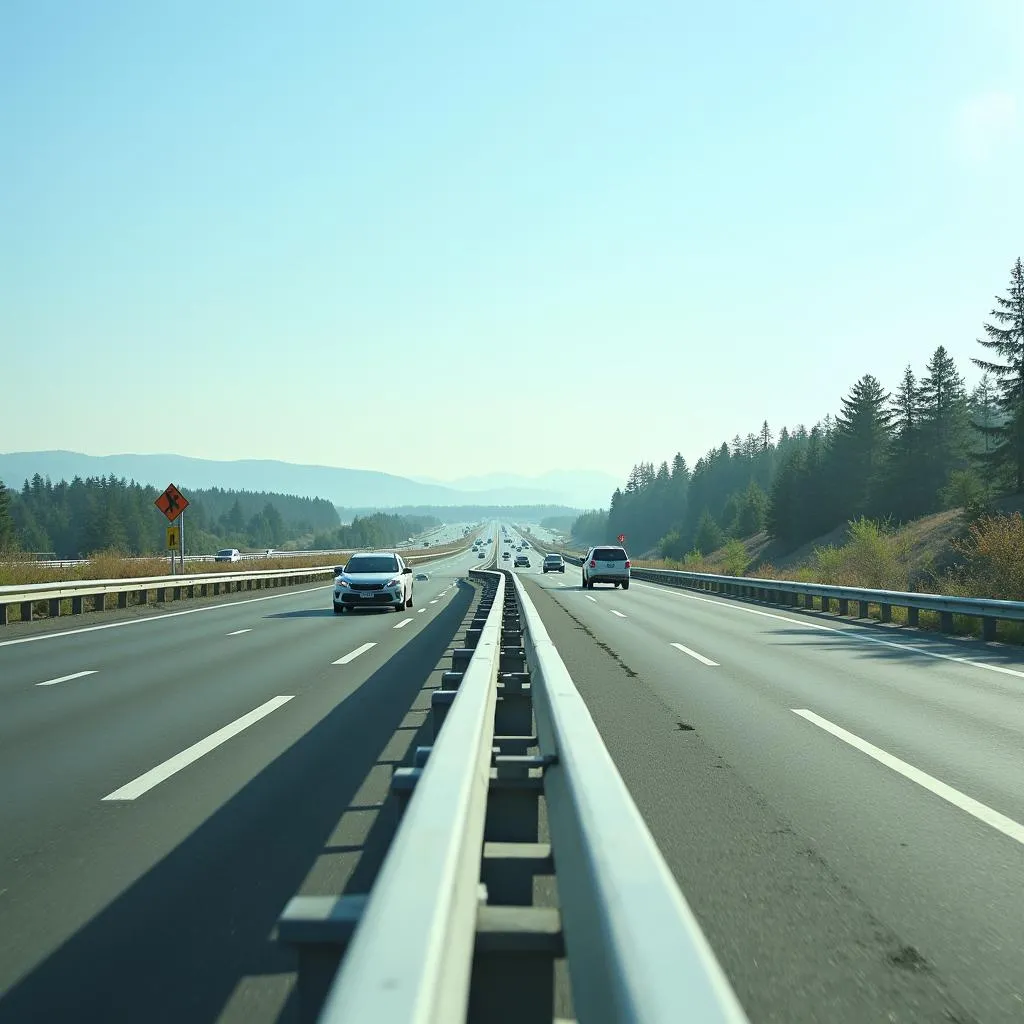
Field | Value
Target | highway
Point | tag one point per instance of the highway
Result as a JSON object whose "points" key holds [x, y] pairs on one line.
{"points": [[841, 803]]}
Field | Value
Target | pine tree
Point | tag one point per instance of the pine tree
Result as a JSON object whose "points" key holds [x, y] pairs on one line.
{"points": [[1006, 340], [860, 444], [6, 520], [709, 535], [944, 423]]}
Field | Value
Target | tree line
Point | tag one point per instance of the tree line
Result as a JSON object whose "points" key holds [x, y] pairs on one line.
{"points": [[930, 444], [380, 530], [82, 517]]}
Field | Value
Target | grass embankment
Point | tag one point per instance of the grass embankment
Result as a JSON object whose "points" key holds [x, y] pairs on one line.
{"points": [[112, 565], [938, 554]]}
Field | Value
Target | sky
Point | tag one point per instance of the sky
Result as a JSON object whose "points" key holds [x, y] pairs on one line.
{"points": [[442, 239]]}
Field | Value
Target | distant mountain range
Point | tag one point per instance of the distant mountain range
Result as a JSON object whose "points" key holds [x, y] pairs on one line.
{"points": [[350, 488]]}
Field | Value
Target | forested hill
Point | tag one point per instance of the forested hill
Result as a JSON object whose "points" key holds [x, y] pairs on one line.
{"points": [[84, 516], [928, 445]]}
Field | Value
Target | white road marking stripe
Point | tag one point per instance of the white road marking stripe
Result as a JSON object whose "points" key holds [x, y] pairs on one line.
{"points": [[620, 615], [589, 598], [981, 811], [399, 625], [352, 655], [65, 679], [157, 618], [239, 632], [436, 599], [694, 654], [173, 765], [848, 633], [420, 611]]}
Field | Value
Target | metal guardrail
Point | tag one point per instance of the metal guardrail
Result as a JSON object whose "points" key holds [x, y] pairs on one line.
{"points": [[450, 932], [166, 587], [790, 593], [169, 587]]}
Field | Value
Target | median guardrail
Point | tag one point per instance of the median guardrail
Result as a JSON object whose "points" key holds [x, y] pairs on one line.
{"points": [[790, 593], [451, 931], [91, 595]]}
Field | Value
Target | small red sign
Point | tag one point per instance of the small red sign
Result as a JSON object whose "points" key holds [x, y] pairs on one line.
{"points": [[172, 502], [621, 538]]}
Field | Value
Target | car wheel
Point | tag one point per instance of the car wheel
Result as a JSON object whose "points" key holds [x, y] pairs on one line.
{"points": [[625, 586], [338, 609], [408, 604]]}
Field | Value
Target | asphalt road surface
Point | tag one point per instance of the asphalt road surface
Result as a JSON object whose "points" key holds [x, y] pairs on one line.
{"points": [[840, 802]]}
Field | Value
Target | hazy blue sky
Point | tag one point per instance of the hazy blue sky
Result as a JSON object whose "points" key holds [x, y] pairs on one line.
{"points": [[449, 238]]}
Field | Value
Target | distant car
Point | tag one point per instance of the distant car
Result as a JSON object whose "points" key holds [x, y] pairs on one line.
{"points": [[553, 563], [228, 555], [522, 560], [606, 565], [481, 554], [504, 554], [374, 579]]}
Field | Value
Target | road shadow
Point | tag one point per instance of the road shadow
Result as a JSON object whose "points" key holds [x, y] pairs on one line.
{"points": [[175, 944], [302, 613]]}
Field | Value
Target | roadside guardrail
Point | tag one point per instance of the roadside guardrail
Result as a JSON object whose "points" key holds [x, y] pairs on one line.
{"points": [[450, 931], [136, 590], [789, 593]]}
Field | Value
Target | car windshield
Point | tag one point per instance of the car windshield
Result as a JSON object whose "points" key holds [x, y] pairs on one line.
{"points": [[223, 551], [372, 563], [552, 558], [609, 555]]}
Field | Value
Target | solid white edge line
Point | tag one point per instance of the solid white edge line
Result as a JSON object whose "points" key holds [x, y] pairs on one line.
{"points": [[66, 679], [589, 598], [352, 655], [1014, 830], [620, 614], [239, 632], [848, 633], [159, 618], [698, 657], [399, 625], [145, 782]]}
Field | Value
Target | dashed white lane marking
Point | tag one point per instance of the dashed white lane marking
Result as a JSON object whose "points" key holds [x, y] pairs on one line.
{"points": [[239, 632], [399, 625], [1001, 823], [67, 679], [352, 655], [698, 657], [620, 615], [173, 765]]}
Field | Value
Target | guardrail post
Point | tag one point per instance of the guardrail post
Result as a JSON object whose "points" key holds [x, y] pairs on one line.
{"points": [[886, 612], [3, 615], [946, 622], [862, 609], [809, 602], [989, 627], [844, 606], [161, 595], [913, 616]]}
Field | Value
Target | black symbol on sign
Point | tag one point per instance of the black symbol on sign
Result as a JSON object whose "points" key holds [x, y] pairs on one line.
{"points": [[172, 501]]}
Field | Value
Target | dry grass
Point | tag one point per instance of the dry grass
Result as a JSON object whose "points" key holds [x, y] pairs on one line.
{"points": [[113, 565]]}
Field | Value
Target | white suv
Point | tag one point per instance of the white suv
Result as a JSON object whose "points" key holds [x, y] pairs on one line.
{"points": [[374, 580], [606, 565]]}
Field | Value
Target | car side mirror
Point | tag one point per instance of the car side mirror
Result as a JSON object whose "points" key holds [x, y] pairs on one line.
{"points": [[406, 570]]}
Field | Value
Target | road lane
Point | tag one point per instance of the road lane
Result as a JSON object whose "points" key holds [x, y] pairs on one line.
{"points": [[159, 692], [944, 882]]}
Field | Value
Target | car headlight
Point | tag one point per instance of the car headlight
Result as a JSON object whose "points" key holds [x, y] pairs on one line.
{"points": [[340, 582], [395, 582]]}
